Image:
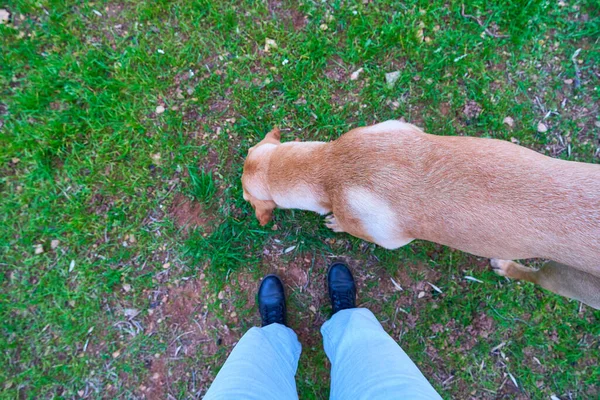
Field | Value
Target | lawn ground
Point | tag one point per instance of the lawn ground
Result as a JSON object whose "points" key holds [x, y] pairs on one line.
{"points": [[129, 260]]}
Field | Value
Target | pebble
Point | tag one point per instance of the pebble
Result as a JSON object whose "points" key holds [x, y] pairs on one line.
{"points": [[160, 109], [391, 78], [541, 127], [509, 121], [354, 76]]}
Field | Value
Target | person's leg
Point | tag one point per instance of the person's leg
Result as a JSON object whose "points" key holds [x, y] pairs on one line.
{"points": [[366, 363], [263, 363], [261, 366]]}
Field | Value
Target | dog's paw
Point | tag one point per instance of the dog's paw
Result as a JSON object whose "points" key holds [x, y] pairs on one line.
{"points": [[332, 223], [501, 267]]}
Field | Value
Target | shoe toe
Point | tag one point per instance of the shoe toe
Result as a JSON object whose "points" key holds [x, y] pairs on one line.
{"points": [[271, 290], [340, 277]]}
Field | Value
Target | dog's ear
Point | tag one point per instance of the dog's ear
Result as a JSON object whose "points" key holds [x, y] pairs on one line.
{"points": [[264, 210], [275, 134]]}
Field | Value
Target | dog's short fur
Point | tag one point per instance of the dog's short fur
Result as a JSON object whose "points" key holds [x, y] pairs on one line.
{"points": [[392, 183]]}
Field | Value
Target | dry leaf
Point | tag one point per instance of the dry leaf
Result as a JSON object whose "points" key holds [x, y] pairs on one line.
{"points": [[130, 312]]}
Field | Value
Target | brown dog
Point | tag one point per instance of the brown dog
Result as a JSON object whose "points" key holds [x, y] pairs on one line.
{"points": [[392, 183]]}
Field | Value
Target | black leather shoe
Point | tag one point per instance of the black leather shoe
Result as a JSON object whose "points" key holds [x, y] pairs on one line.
{"points": [[271, 301], [341, 286]]}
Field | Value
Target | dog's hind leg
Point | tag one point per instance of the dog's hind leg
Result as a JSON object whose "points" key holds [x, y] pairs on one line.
{"points": [[555, 277]]}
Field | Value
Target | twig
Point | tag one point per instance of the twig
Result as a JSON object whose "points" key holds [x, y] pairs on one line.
{"points": [[577, 81], [496, 35]]}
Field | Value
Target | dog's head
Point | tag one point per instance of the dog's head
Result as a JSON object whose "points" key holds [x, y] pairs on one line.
{"points": [[254, 179]]}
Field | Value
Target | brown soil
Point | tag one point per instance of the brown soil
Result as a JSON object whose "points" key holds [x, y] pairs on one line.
{"points": [[471, 110], [188, 214], [182, 315]]}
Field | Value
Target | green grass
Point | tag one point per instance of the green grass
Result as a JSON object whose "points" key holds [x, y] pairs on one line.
{"points": [[85, 160]]}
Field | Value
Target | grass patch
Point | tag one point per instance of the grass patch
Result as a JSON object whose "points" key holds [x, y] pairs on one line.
{"points": [[98, 283]]}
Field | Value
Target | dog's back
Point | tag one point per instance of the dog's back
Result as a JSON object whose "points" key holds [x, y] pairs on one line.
{"points": [[487, 197]]}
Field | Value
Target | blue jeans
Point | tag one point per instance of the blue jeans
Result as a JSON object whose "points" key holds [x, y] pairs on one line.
{"points": [[366, 363]]}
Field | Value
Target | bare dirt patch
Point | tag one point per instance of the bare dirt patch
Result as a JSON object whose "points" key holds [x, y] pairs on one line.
{"points": [[472, 110], [188, 214], [288, 16], [181, 316]]}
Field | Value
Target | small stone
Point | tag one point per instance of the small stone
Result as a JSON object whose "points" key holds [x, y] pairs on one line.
{"points": [[156, 158], [4, 16], [391, 78], [354, 76], [421, 295], [127, 287], [541, 127], [54, 244], [270, 44], [38, 248], [509, 121], [160, 109], [221, 295], [568, 81], [116, 354], [166, 265]]}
